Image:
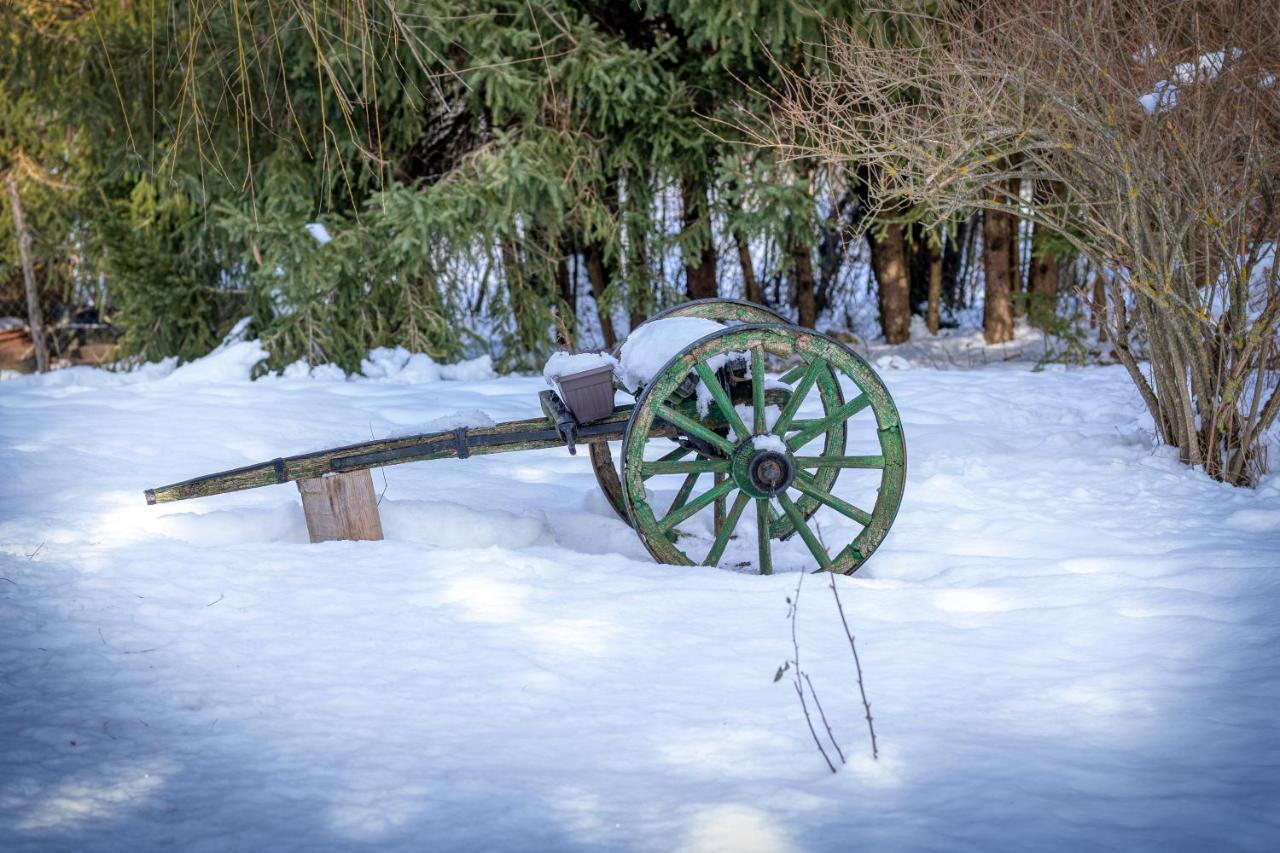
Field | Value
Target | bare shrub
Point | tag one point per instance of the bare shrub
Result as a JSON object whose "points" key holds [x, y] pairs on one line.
{"points": [[1153, 127], [800, 679]]}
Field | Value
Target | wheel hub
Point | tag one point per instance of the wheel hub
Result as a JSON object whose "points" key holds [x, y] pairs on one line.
{"points": [[762, 473]]}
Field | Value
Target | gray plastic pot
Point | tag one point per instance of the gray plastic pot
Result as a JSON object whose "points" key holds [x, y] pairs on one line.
{"points": [[588, 393]]}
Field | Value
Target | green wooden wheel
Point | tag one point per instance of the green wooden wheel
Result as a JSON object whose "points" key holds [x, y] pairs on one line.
{"points": [[766, 460]]}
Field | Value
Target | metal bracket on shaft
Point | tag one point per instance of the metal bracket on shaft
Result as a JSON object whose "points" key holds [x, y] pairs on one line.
{"points": [[566, 423], [460, 442]]}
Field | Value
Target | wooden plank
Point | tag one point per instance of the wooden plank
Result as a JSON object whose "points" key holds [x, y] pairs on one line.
{"points": [[341, 507], [320, 463]]}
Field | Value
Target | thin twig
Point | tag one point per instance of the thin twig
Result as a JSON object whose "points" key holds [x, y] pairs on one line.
{"points": [[804, 706], [823, 715], [875, 751]]}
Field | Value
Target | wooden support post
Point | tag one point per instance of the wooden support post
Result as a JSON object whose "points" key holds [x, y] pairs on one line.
{"points": [[341, 506], [34, 320]]}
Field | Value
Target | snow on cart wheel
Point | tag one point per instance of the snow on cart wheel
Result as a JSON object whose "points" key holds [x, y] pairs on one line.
{"points": [[719, 310], [781, 465]]}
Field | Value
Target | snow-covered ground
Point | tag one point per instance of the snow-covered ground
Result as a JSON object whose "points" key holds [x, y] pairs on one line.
{"points": [[1071, 642]]}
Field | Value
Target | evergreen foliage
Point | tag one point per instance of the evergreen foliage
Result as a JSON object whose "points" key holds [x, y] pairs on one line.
{"points": [[473, 161]]}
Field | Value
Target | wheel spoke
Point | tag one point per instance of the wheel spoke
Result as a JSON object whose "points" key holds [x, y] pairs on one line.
{"points": [[686, 489], [726, 529], [794, 373], [839, 461], [757, 390], [717, 520], [846, 411], [802, 423], [797, 520], [679, 514], [804, 483], [762, 537], [722, 400], [692, 427], [797, 396], [678, 453], [685, 466]]}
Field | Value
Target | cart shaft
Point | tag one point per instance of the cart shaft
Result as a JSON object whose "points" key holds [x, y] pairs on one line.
{"points": [[531, 434]]}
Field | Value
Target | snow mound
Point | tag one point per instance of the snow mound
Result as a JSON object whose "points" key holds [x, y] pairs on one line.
{"points": [[444, 423], [892, 362], [655, 343], [472, 370], [323, 372], [233, 360], [398, 365], [232, 363], [567, 364], [83, 376]]}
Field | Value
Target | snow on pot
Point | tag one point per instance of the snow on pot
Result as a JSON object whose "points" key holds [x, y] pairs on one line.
{"points": [[584, 381]]}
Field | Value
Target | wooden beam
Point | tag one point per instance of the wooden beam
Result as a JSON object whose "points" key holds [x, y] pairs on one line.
{"points": [[341, 507]]}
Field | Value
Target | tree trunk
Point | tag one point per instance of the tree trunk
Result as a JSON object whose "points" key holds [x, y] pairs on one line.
{"points": [[935, 284], [802, 269], [997, 312], [34, 320], [639, 291], [599, 282], [917, 252], [566, 313], [831, 250], [889, 263], [1098, 312], [1042, 284], [953, 271], [969, 261], [1017, 286], [750, 284], [699, 264]]}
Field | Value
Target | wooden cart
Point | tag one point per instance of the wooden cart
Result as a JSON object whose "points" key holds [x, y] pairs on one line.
{"points": [[752, 462]]}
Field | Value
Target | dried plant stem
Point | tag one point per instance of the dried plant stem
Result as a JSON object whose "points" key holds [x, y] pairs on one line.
{"points": [[862, 689], [823, 715], [797, 675]]}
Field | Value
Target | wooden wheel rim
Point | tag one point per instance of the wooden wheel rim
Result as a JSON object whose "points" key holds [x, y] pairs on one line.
{"points": [[783, 341]]}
